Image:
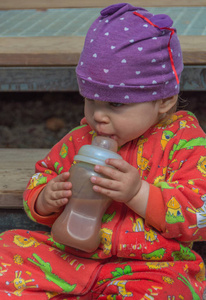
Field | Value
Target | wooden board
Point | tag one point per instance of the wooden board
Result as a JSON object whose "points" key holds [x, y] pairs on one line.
{"points": [[37, 51], [17, 166], [193, 49], [65, 51], [44, 4]]}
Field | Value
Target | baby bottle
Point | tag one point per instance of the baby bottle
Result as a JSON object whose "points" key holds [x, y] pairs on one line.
{"points": [[79, 224]]}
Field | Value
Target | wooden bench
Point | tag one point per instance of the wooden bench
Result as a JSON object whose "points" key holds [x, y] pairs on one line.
{"points": [[17, 166], [47, 62]]}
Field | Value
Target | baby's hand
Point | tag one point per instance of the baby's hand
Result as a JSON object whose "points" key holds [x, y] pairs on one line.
{"points": [[122, 183], [54, 195]]}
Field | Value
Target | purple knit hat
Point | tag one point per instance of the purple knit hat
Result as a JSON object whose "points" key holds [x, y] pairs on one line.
{"points": [[130, 55]]}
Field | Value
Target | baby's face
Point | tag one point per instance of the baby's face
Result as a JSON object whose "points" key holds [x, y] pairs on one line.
{"points": [[122, 122]]}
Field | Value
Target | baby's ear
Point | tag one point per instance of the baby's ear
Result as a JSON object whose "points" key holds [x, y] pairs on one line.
{"points": [[167, 104]]}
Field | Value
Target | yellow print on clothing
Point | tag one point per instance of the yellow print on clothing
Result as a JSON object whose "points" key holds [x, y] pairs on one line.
{"points": [[20, 284], [24, 242], [174, 212], [121, 285], [157, 265], [162, 177], [142, 162], [201, 165], [168, 121], [37, 179], [106, 240], [138, 226], [166, 137], [152, 292]]}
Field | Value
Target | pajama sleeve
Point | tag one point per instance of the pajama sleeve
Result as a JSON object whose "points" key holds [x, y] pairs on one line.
{"points": [[177, 205], [58, 160]]}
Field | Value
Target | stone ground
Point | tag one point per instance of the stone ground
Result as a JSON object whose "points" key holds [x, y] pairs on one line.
{"points": [[39, 120]]}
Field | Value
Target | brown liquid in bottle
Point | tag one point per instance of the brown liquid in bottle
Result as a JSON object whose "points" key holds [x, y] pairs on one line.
{"points": [[79, 224]]}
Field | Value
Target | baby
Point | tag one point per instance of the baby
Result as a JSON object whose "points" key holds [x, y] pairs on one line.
{"points": [[128, 73]]}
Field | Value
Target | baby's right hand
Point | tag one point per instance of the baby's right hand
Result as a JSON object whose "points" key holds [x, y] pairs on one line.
{"points": [[54, 195]]}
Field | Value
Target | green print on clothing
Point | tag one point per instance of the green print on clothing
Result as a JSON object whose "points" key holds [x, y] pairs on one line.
{"points": [[174, 212], [64, 151], [37, 179], [27, 210], [78, 127], [185, 253], [56, 166], [1, 234], [57, 245], [184, 144], [155, 255], [108, 217], [47, 270], [187, 283], [95, 256], [120, 284], [164, 185], [118, 273]]}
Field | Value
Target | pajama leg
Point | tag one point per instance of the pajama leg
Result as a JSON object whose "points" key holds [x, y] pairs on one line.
{"points": [[33, 266], [137, 280]]}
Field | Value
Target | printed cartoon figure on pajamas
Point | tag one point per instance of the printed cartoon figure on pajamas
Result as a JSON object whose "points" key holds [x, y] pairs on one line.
{"points": [[200, 214], [106, 240], [174, 212], [201, 166], [20, 284], [21, 241], [142, 162], [50, 276], [36, 180], [121, 285], [138, 226]]}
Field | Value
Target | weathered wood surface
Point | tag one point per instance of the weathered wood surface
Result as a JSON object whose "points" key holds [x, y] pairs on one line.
{"points": [[44, 4], [40, 51], [65, 51], [17, 166]]}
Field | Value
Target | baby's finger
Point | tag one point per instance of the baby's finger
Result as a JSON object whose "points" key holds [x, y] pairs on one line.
{"points": [[107, 192], [108, 172], [61, 194], [58, 186], [59, 203], [119, 164], [62, 177], [106, 183]]}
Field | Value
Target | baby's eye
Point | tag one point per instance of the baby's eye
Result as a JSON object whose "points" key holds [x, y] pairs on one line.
{"points": [[115, 104]]}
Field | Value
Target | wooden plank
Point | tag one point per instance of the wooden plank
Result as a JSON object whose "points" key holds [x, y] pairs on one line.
{"points": [[44, 4], [35, 51], [193, 49], [65, 51], [17, 166]]}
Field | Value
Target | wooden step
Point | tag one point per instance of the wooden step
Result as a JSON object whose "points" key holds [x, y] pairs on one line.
{"points": [[44, 4], [65, 51], [17, 166]]}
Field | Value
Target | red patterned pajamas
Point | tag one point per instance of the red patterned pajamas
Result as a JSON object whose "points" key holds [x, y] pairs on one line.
{"points": [[137, 258]]}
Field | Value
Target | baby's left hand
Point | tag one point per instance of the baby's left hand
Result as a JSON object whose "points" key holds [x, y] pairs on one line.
{"points": [[122, 183]]}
